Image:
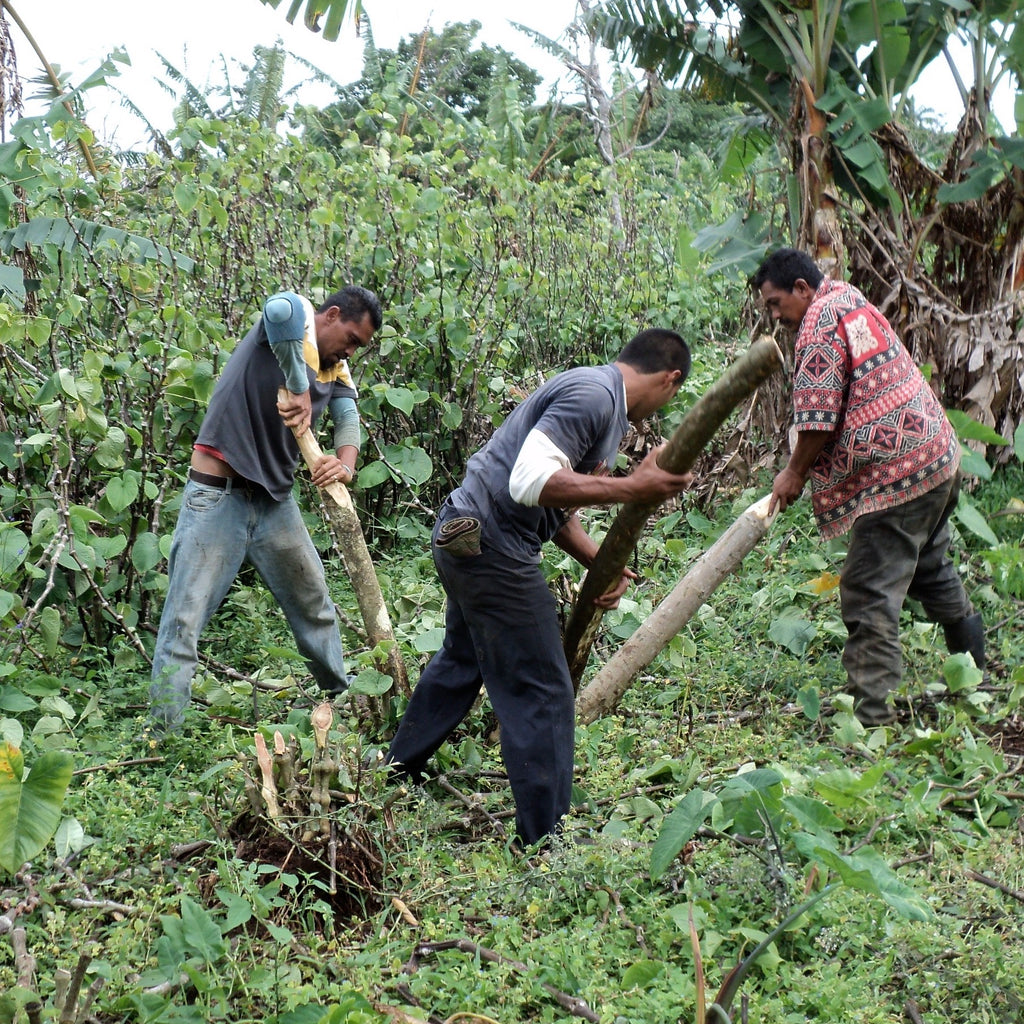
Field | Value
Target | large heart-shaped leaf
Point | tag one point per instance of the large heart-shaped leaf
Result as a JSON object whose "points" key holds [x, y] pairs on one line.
{"points": [[30, 808]]}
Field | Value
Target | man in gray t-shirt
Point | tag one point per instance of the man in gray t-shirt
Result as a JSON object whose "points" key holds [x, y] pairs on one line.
{"points": [[552, 455], [238, 505]]}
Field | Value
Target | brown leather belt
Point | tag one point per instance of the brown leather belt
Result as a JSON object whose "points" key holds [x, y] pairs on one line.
{"points": [[237, 482]]}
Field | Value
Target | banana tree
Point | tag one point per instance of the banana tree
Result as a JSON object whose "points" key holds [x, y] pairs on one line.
{"points": [[825, 74], [939, 249]]}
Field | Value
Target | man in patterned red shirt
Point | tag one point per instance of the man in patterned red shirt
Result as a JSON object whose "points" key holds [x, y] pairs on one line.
{"points": [[883, 462]]}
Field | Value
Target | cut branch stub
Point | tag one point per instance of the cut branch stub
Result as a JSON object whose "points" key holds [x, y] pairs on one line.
{"points": [[322, 719], [759, 362], [268, 788]]}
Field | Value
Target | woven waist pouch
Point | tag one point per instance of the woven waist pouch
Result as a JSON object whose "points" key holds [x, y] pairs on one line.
{"points": [[459, 537]]}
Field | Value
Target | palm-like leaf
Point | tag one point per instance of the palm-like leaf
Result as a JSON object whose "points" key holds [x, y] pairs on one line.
{"points": [[68, 235], [754, 41], [325, 16], [261, 94], [193, 100]]}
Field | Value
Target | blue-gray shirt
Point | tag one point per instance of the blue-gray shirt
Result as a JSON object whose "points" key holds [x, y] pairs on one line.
{"points": [[583, 413]]}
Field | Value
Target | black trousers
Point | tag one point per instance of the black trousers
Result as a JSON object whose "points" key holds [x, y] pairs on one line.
{"points": [[501, 631]]}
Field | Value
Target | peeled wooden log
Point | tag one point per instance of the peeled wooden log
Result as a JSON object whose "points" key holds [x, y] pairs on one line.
{"points": [[756, 365], [605, 690], [344, 523]]}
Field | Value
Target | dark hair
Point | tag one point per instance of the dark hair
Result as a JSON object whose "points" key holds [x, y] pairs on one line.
{"points": [[785, 267], [353, 302], [657, 349]]}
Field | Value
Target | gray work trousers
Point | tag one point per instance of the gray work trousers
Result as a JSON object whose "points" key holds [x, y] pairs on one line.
{"points": [[894, 553], [218, 530]]}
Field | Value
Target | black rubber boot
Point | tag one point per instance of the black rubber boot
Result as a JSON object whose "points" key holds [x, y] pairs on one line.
{"points": [[967, 635]]}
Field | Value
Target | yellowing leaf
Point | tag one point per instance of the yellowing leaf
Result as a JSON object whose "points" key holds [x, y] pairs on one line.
{"points": [[12, 763], [824, 584]]}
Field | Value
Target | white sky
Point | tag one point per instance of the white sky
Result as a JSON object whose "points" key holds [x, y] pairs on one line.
{"points": [[193, 34]]}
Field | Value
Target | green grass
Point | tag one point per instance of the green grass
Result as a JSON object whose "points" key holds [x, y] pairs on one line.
{"points": [[938, 802]]}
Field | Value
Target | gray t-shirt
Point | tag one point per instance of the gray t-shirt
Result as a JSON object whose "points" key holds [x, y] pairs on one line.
{"points": [[242, 421], [583, 413]]}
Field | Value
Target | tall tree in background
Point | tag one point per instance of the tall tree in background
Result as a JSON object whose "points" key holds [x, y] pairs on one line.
{"points": [[447, 66], [940, 249], [443, 74]]}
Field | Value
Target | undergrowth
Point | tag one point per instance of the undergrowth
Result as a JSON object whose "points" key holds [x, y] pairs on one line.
{"points": [[145, 878]]}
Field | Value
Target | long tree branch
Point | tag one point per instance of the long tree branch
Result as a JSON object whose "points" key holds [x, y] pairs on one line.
{"points": [[54, 80], [758, 363]]}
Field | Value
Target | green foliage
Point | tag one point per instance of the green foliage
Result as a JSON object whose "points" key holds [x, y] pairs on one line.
{"points": [[489, 281], [432, 78], [30, 806], [752, 804], [988, 168], [969, 429], [337, 11], [893, 817], [67, 235], [717, 795]]}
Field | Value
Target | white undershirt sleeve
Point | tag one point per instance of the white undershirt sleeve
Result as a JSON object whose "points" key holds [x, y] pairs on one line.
{"points": [[538, 460]]}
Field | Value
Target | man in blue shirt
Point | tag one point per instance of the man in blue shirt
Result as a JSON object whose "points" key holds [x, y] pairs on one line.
{"points": [[238, 505], [552, 455]]}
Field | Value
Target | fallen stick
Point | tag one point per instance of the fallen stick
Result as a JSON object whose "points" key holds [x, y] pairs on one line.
{"points": [[110, 766], [475, 806], [344, 523], [605, 690], [976, 876], [711, 410]]}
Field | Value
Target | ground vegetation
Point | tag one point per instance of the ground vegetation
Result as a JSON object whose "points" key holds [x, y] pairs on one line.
{"points": [[729, 810]]}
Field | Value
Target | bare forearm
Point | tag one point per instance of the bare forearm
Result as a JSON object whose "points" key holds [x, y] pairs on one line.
{"points": [[348, 455], [809, 445], [575, 541], [790, 481], [648, 482], [566, 489]]}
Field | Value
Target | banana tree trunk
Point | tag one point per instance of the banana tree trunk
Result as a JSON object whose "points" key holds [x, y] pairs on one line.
{"points": [[758, 363], [820, 230], [605, 690]]}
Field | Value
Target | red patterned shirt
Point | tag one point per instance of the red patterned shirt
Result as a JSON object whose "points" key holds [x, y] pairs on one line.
{"points": [[853, 375]]}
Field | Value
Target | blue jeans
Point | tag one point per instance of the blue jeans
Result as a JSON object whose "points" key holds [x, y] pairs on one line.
{"points": [[894, 553], [501, 631], [217, 531]]}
